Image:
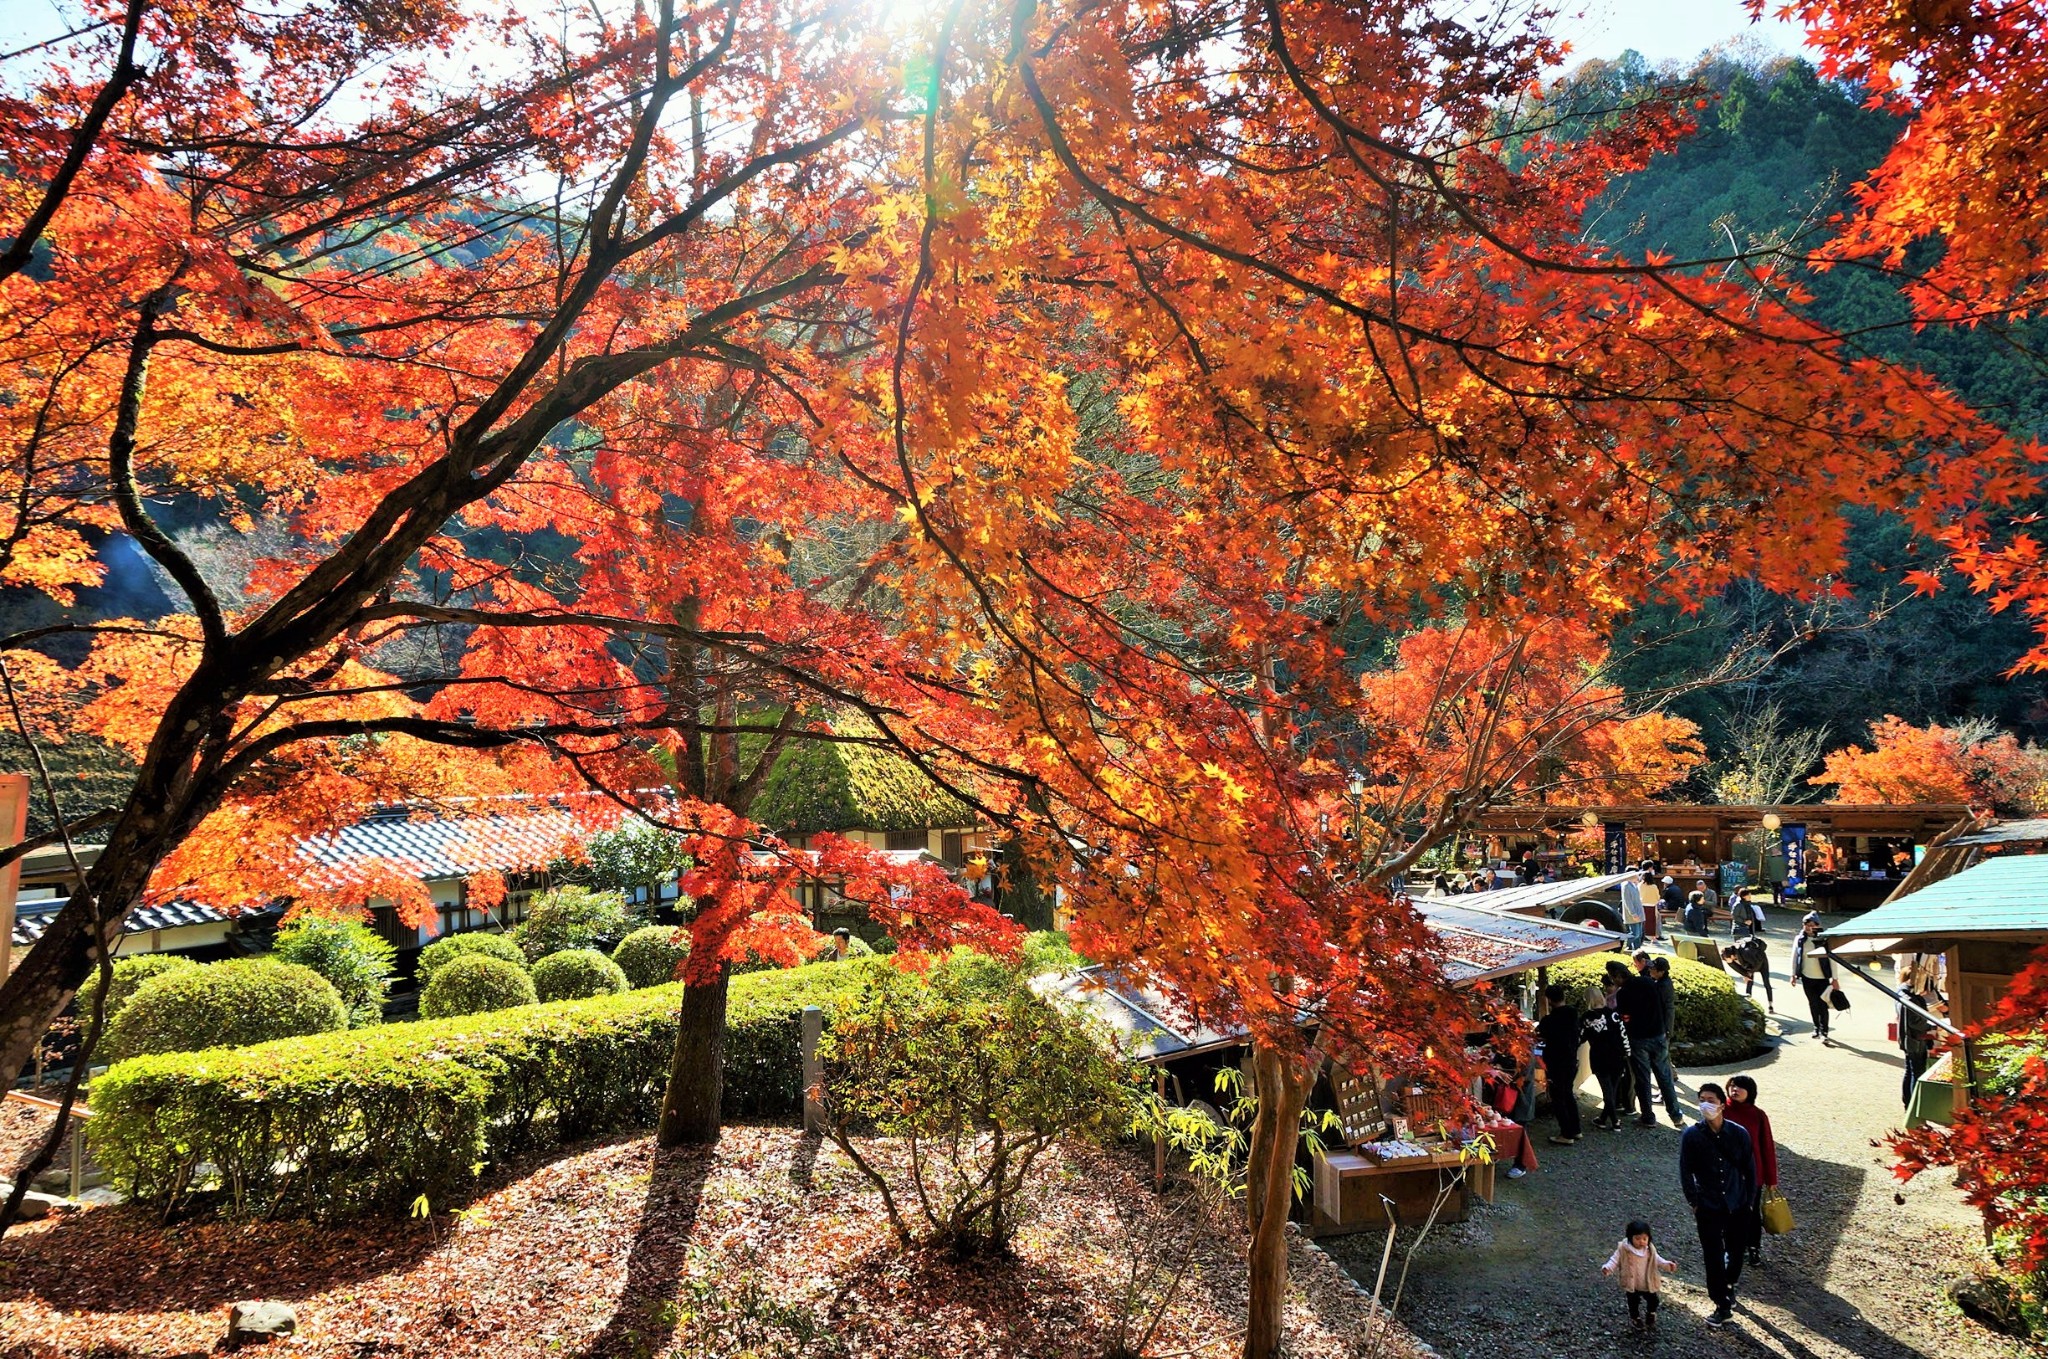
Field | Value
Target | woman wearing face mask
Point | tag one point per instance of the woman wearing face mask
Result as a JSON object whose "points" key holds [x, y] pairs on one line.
{"points": [[1743, 1111]]}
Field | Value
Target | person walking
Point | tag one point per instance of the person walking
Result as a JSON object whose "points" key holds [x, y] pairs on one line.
{"points": [[1743, 1109], [1649, 1040], [1816, 974], [1633, 912], [1916, 1041], [1717, 1173], [1559, 1032], [1607, 1040], [1751, 960], [1634, 1265]]}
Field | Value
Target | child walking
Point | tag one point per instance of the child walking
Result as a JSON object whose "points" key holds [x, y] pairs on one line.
{"points": [[1634, 1264]]}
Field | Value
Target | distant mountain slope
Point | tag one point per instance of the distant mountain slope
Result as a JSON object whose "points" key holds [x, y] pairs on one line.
{"points": [[1774, 157]]}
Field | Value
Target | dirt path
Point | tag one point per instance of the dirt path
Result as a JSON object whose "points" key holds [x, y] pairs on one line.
{"points": [[1861, 1277]]}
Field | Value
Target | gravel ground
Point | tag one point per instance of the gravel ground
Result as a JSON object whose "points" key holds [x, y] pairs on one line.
{"points": [[1861, 1277]]}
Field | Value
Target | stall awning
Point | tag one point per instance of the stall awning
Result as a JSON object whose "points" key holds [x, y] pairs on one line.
{"points": [[1485, 942], [1536, 896], [2002, 898], [2030, 831], [1152, 1028], [1482, 943]]}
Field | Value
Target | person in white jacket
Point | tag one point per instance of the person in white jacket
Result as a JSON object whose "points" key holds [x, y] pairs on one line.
{"points": [[1634, 1265], [1632, 911]]}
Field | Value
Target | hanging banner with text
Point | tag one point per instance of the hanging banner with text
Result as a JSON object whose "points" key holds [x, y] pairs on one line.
{"points": [[1792, 844], [1617, 847]]}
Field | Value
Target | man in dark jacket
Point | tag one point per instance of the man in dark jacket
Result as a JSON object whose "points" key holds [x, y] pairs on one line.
{"points": [[1643, 1008], [1717, 1171], [1558, 1031]]}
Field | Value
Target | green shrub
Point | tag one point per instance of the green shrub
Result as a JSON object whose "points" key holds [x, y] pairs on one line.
{"points": [[572, 917], [980, 1076], [1049, 951], [651, 956], [856, 947], [354, 958], [129, 973], [577, 974], [231, 1004], [1712, 1023], [474, 983], [635, 855], [370, 1119], [449, 947]]}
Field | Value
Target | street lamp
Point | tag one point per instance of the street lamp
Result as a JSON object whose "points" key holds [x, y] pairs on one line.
{"points": [[1771, 821]]}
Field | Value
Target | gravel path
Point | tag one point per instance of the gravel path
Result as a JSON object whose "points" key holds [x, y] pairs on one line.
{"points": [[1860, 1278]]}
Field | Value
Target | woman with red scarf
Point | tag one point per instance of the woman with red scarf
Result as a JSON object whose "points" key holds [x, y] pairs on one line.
{"points": [[1743, 1111]]}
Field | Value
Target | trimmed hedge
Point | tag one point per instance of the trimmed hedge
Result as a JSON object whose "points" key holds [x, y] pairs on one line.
{"points": [[1713, 1024], [448, 948], [129, 974], [230, 1004], [651, 955], [577, 974], [475, 983], [371, 1119]]}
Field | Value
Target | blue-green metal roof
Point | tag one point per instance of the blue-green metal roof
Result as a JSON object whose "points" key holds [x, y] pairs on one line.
{"points": [[2004, 895]]}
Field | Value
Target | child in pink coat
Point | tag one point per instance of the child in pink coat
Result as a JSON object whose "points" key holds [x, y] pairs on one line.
{"points": [[1634, 1265]]}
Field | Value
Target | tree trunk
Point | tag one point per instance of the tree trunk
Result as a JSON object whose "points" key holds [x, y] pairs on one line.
{"points": [[696, 1075], [1284, 1082]]}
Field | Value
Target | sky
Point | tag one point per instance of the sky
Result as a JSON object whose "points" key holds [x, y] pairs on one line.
{"points": [[1660, 29]]}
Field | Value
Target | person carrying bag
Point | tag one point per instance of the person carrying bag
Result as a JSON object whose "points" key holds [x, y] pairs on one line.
{"points": [[1777, 1212], [1814, 970]]}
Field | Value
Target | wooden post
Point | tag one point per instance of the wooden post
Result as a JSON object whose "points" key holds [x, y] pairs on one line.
{"points": [[814, 1072], [77, 1157], [1159, 1138]]}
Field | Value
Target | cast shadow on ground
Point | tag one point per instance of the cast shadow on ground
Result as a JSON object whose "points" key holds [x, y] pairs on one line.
{"points": [[646, 1316], [94, 1261], [1487, 1278]]}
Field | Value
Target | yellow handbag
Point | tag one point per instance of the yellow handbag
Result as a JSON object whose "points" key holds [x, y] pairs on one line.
{"points": [[1777, 1213]]}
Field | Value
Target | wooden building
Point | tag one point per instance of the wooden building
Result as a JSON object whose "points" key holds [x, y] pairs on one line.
{"points": [[1857, 854]]}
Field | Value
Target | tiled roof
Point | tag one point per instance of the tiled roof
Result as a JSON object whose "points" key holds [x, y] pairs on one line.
{"points": [[33, 917], [505, 835]]}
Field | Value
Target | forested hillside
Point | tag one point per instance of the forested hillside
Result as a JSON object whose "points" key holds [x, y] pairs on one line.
{"points": [[1775, 154]]}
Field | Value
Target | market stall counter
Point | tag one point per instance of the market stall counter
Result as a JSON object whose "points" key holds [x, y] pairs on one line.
{"points": [[1355, 1190]]}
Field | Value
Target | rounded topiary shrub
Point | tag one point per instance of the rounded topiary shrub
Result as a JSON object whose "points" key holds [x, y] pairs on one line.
{"points": [[572, 917], [577, 974], [450, 947], [225, 1005], [473, 983], [129, 974], [1712, 1023], [351, 955], [651, 956]]}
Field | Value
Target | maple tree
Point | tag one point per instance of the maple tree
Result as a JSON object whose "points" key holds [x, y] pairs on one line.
{"points": [[1993, 1143], [1054, 389], [1536, 711], [1972, 763]]}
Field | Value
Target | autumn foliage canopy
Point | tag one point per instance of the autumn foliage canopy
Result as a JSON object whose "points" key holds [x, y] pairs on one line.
{"points": [[1062, 390]]}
